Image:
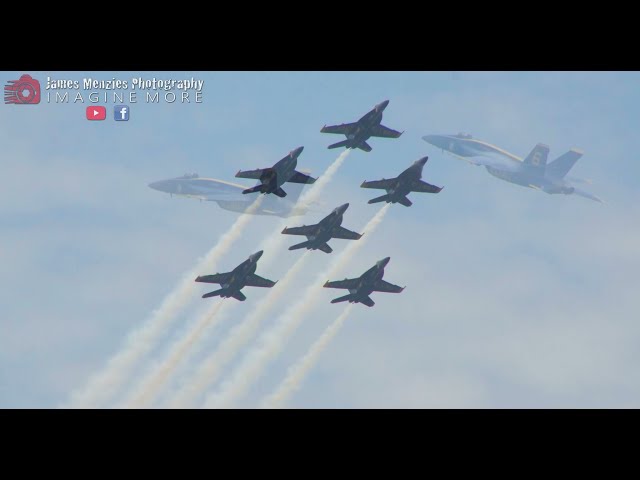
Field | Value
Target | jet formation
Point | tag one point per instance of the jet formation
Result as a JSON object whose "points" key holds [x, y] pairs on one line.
{"points": [[359, 132], [232, 282], [360, 288], [272, 178], [532, 172], [319, 234], [399, 187]]}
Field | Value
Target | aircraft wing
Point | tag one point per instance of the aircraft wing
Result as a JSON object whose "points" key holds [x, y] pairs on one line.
{"points": [[254, 174], [343, 128], [382, 131], [215, 278], [341, 232], [384, 286], [347, 283], [424, 187], [253, 280], [379, 184], [298, 177], [304, 230]]}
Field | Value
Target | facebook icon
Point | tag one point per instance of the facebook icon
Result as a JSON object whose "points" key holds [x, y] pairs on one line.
{"points": [[121, 113]]}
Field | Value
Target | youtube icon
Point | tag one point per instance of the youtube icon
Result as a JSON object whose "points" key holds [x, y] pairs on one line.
{"points": [[96, 113]]}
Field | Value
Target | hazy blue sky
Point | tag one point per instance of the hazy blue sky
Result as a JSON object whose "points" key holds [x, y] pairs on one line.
{"points": [[514, 298]]}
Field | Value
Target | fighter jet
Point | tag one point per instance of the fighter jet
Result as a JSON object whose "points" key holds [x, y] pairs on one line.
{"points": [[271, 179], [399, 187], [229, 195], [319, 234], [532, 172], [358, 133], [241, 276], [360, 288]]}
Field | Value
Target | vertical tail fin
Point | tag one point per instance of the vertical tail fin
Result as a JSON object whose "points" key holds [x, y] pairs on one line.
{"points": [[561, 165], [538, 156]]}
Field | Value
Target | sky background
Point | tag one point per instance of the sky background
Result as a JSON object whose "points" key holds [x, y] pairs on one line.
{"points": [[514, 298]]}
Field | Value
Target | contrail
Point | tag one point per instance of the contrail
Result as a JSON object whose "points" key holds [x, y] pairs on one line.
{"points": [[212, 366], [299, 370], [273, 341], [149, 387], [314, 192], [102, 386]]}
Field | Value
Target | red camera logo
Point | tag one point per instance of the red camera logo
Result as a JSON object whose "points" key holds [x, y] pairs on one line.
{"points": [[26, 90]]}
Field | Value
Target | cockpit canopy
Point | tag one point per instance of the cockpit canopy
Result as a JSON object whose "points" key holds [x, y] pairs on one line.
{"points": [[190, 175], [463, 135]]}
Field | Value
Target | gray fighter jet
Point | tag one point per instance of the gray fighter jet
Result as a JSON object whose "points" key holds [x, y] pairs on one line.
{"points": [[399, 187], [241, 276], [360, 288], [272, 179], [229, 195], [319, 234], [532, 172], [359, 132]]}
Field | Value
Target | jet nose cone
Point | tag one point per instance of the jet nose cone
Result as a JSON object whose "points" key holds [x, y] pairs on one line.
{"points": [[436, 140], [343, 208], [160, 185], [296, 152], [381, 106], [256, 256], [422, 161], [384, 261]]}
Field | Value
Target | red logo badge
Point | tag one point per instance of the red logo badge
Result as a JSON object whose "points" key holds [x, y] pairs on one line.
{"points": [[25, 91]]}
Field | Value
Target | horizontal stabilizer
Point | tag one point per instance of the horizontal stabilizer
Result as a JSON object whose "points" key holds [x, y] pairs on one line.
{"points": [[325, 248], [256, 189], [298, 246], [367, 301], [215, 293], [345, 298], [405, 201], [239, 296], [344, 143], [383, 198], [365, 146], [588, 195]]}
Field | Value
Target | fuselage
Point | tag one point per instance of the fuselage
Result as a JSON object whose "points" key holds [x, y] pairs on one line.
{"points": [[514, 169], [227, 195], [367, 280], [402, 185], [464, 145], [237, 281], [326, 226], [362, 131]]}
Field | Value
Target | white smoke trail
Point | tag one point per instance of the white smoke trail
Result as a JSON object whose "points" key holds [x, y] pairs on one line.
{"points": [[298, 371], [157, 377], [103, 385], [212, 366], [314, 192], [273, 341]]}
